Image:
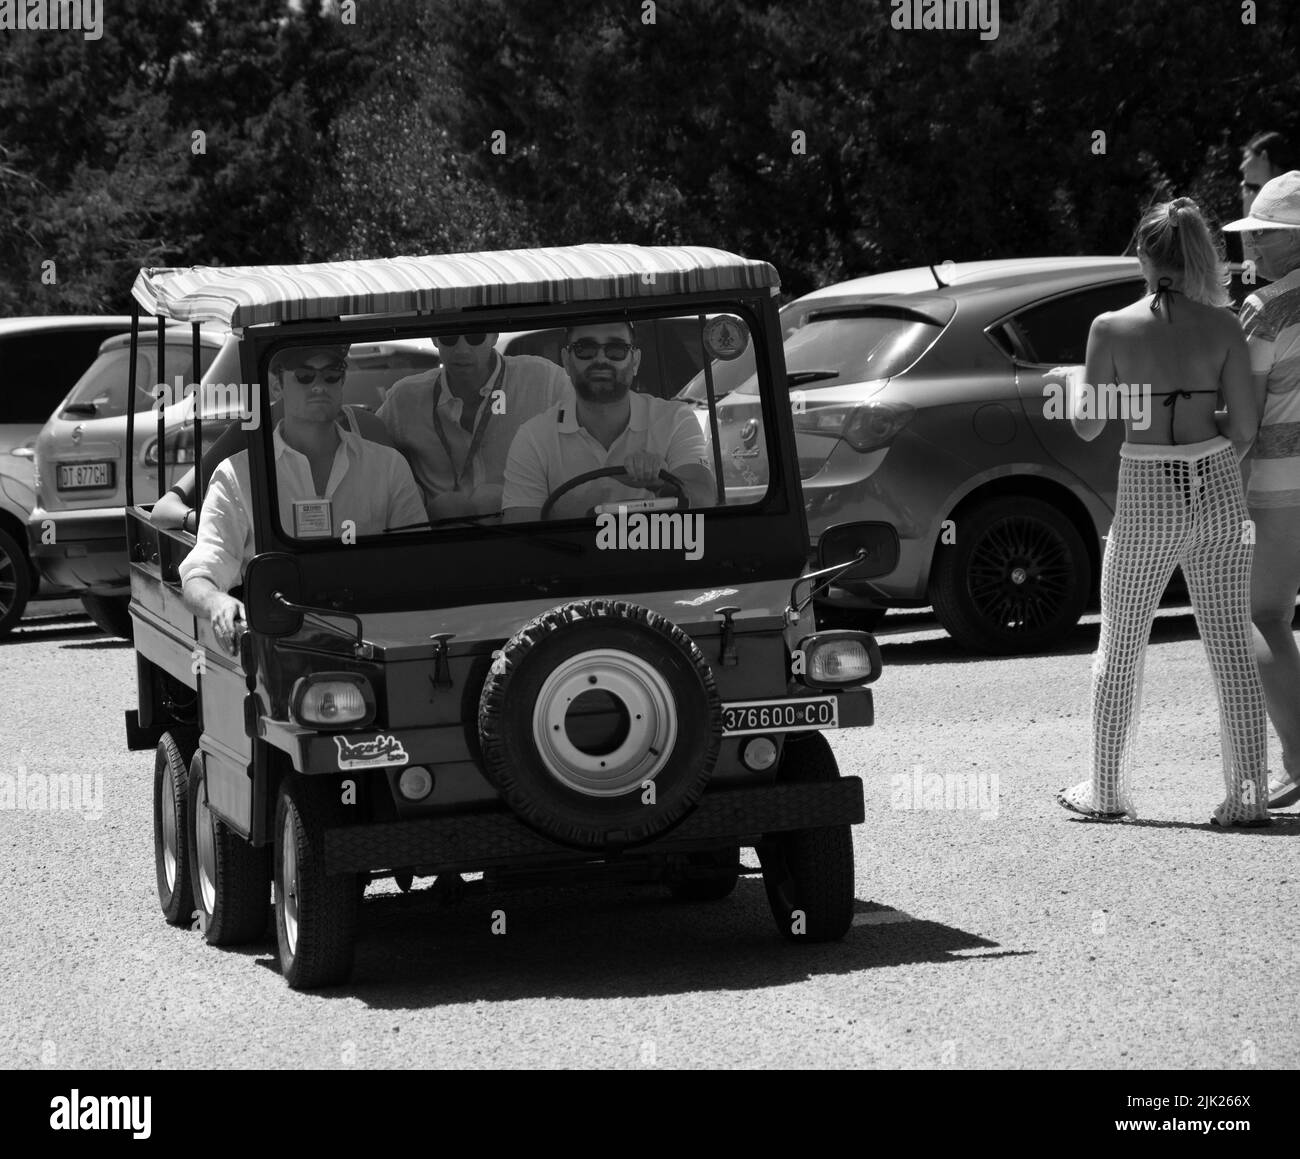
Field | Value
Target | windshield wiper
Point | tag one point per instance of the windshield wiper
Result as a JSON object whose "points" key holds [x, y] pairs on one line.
{"points": [[511, 529], [802, 377]]}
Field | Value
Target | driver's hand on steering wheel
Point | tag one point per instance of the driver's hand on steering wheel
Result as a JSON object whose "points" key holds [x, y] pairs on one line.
{"points": [[643, 469]]}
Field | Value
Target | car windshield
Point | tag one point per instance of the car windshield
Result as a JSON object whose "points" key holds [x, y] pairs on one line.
{"points": [[829, 346], [101, 392], [505, 431]]}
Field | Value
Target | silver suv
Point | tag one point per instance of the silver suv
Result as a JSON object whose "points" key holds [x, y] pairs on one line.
{"points": [[40, 360]]}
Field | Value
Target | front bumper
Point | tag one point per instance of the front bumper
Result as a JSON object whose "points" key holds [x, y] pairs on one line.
{"points": [[472, 841], [84, 550]]}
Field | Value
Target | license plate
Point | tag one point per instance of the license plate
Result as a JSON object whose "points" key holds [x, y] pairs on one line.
{"points": [[747, 716], [73, 476]]}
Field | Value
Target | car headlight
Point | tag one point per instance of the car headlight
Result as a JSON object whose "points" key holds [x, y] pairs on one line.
{"points": [[839, 659], [332, 700]]}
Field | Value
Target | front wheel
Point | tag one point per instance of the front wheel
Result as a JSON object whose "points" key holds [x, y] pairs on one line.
{"points": [[1015, 580], [315, 913], [15, 582], [713, 876], [808, 873], [171, 855]]}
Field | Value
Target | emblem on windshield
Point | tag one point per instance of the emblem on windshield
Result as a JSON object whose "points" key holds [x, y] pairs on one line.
{"points": [[725, 337], [367, 754]]}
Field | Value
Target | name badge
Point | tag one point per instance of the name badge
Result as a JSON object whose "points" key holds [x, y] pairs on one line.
{"points": [[312, 519]]}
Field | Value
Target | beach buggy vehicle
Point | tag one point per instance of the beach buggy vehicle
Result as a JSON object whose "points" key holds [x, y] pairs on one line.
{"points": [[611, 693]]}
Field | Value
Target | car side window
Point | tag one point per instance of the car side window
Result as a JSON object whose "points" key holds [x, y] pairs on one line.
{"points": [[38, 370], [1056, 332]]}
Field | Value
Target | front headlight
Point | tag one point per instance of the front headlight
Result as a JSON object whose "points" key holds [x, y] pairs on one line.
{"points": [[332, 700], [839, 659]]}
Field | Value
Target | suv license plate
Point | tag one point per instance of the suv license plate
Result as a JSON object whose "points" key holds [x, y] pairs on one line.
{"points": [[747, 716], [73, 476]]}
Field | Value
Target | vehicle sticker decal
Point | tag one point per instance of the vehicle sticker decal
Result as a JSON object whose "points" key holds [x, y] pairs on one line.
{"points": [[369, 754], [707, 597], [725, 337]]}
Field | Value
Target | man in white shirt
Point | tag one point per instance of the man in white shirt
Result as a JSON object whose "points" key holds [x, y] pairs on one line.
{"points": [[607, 425], [329, 482], [455, 424]]}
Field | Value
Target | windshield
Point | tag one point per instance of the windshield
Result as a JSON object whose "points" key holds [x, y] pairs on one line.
{"points": [[567, 423], [830, 346]]}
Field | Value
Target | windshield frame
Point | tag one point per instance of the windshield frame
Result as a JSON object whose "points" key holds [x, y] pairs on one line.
{"points": [[764, 536]]}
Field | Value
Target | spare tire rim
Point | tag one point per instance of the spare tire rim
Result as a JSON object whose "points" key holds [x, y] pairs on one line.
{"points": [[649, 729], [289, 877], [206, 848]]}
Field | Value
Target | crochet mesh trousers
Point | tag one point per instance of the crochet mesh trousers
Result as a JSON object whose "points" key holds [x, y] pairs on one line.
{"points": [[1178, 505]]}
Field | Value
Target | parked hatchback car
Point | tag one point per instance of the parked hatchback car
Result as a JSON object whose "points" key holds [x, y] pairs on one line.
{"points": [[76, 528], [40, 360], [919, 399]]}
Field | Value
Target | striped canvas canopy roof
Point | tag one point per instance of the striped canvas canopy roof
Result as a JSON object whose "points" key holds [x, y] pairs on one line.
{"points": [[247, 295]]}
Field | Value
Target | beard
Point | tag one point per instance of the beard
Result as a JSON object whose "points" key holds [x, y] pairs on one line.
{"points": [[607, 390]]}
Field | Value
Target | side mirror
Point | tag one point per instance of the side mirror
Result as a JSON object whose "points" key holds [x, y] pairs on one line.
{"points": [[269, 576], [841, 543]]}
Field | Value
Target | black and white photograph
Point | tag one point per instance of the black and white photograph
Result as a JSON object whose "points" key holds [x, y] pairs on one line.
{"points": [[650, 535]]}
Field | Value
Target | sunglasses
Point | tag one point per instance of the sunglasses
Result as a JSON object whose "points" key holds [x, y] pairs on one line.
{"points": [[330, 375], [587, 348], [452, 339]]}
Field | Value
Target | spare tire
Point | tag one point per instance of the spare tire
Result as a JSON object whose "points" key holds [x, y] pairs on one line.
{"points": [[600, 724]]}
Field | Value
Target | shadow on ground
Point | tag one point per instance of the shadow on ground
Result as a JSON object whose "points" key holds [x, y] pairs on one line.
{"points": [[612, 942]]}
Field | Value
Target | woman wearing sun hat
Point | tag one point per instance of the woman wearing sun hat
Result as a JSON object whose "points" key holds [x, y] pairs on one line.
{"points": [[1271, 320]]}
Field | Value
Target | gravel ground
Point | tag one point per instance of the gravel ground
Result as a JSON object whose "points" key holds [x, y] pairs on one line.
{"points": [[999, 934]]}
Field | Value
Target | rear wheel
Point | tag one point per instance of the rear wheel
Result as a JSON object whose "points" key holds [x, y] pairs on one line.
{"points": [[808, 873], [315, 913], [170, 809], [1016, 579], [714, 876], [232, 879], [111, 614], [15, 582]]}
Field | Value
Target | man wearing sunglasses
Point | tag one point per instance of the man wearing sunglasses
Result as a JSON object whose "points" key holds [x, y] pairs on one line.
{"points": [[1271, 320], [455, 424], [607, 425], [328, 479]]}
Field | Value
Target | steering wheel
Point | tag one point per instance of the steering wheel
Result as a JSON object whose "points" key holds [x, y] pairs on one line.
{"points": [[604, 473]]}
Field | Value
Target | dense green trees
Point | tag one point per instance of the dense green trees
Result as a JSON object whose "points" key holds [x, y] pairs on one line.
{"points": [[815, 134]]}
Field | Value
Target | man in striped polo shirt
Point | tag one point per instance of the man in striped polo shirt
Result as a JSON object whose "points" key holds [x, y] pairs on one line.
{"points": [[1271, 319]]}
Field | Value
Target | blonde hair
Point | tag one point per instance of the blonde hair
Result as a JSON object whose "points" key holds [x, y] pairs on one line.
{"points": [[1173, 236]]}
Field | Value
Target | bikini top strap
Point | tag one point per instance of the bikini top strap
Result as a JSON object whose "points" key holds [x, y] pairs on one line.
{"points": [[1164, 293]]}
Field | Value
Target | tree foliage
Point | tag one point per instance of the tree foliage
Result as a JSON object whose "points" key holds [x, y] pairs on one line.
{"points": [[816, 135]]}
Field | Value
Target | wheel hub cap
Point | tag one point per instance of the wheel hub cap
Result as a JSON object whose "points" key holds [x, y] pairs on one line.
{"points": [[206, 843], [289, 875]]}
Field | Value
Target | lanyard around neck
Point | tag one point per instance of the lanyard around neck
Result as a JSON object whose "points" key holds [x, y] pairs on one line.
{"points": [[480, 426]]}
